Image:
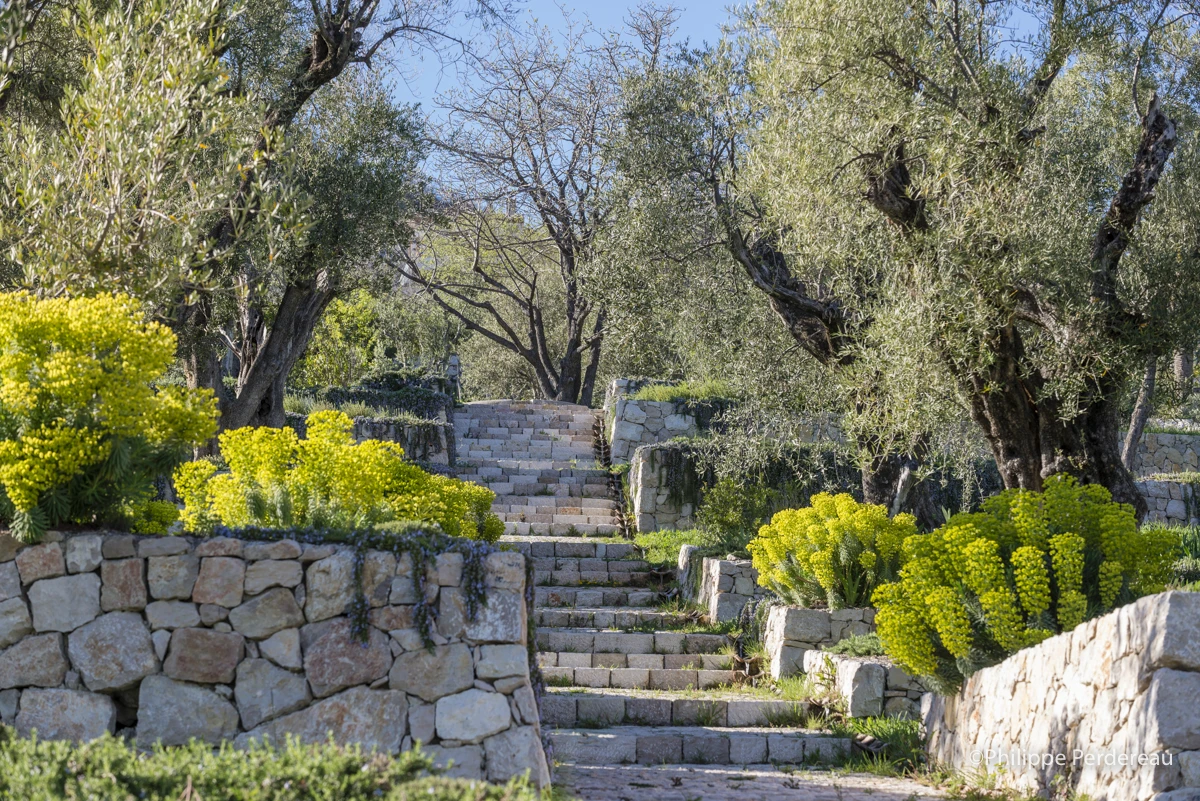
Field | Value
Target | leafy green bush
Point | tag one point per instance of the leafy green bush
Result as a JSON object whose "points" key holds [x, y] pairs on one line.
{"points": [[684, 391], [1187, 568], [857, 645], [1026, 567], [327, 481], [83, 431], [151, 517], [732, 512], [662, 547], [835, 552], [108, 769]]}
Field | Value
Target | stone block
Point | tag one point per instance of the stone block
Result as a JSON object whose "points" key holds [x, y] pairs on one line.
{"points": [[391, 618], [472, 716], [283, 648], [204, 656], [374, 719], [747, 749], [266, 614], [263, 575], [161, 546], [505, 571], [83, 553], [282, 549], [1171, 701], [66, 714], [502, 620], [659, 749], [264, 692], [172, 615], [122, 585], [336, 659], [15, 622], [171, 577], [706, 749], [40, 562], [699, 712], [65, 603], [430, 675], [222, 581], [600, 710], [220, 546], [119, 546], [861, 685], [36, 661], [330, 587], [511, 753], [500, 661], [113, 652], [558, 710], [803, 625], [10, 580], [172, 713], [9, 701], [461, 762]]}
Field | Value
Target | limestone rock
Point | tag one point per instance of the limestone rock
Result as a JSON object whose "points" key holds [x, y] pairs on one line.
{"points": [[162, 546], [9, 701], [66, 714], [123, 589], [10, 580], [172, 615], [220, 582], [264, 692], [219, 546], [269, 573], [204, 656], [505, 570], [66, 603], [41, 562], [502, 620], [392, 618], [9, 546], [330, 587], [172, 713], [802, 625], [119, 546], [336, 660], [34, 662], [500, 661], [432, 675], [472, 716], [265, 614], [461, 762], [161, 640], [512, 752], [211, 614], [83, 553], [372, 718], [113, 652], [283, 549], [14, 621], [422, 720], [283, 648], [172, 577]]}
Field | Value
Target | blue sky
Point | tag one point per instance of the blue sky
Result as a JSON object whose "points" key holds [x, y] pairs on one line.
{"points": [[699, 20]]}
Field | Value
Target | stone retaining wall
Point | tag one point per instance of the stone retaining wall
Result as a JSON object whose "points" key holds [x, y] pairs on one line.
{"points": [[1166, 453], [793, 631], [168, 638], [653, 505], [725, 586], [636, 423], [1103, 706], [868, 686], [429, 444], [1172, 502]]}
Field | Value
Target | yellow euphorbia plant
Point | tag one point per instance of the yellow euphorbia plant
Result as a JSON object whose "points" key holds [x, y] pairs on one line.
{"points": [[278, 480], [834, 552], [1026, 567], [83, 430]]}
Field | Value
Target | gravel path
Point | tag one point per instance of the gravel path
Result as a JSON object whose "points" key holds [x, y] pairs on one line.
{"points": [[727, 783]]}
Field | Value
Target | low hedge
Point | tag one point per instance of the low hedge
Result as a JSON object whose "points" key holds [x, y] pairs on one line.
{"points": [[108, 769]]}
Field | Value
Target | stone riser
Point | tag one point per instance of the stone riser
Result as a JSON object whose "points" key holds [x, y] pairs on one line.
{"points": [[534, 477], [605, 618], [563, 529], [539, 465], [572, 578], [542, 547], [574, 491], [553, 504], [571, 659], [570, 511], [606, 518], [634, 642], [523, 455], [695, 746], [640, 678], [602, 596], [565, 709], [567, 564]]}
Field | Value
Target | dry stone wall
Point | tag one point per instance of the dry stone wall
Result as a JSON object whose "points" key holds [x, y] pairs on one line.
{"points": [[725, 585], [1110, 707], [170, 638], [1172, 502], [1167, 453], [793, 631], [868, 686], [655, 507]]}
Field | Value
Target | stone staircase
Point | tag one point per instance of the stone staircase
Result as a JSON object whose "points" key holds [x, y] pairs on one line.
{"points": [[627, 683]]}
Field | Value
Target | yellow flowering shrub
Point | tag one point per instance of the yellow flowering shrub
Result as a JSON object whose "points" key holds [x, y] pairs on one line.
{"points": [[277, 480], [1027, 566], [83, 430], [834, 552]]}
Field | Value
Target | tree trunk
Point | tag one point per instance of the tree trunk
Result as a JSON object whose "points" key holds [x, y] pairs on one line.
{"points": [[270, 354], [1141, 413], [1184, 371], [1029, 439], [588, 391]]}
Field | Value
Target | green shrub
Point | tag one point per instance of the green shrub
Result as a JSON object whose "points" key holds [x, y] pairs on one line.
{"points": [[327, 481], [731, 513], [857, 645], [151, 517], [835, 552], [1187, 568], [83, 430], [110, 770], [1026, 567], [356, 409], [662, 547], [685, 391]]}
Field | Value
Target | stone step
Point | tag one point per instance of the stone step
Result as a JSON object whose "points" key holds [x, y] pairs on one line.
{"points": [[567, 707], [594, 578], [555, 596], [571, 547], [539, 503], [600, 564], [696, 745], [573, 490], [588, 463], [638, 678], [600, 659], [608, 617], [602, 517], [562, 529], [586, 640]]}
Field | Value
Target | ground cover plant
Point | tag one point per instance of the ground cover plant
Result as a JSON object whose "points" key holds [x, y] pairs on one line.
{"points": [[108, 768], [834, 553], [1027, 566], [84, 430], [278, 480]]}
